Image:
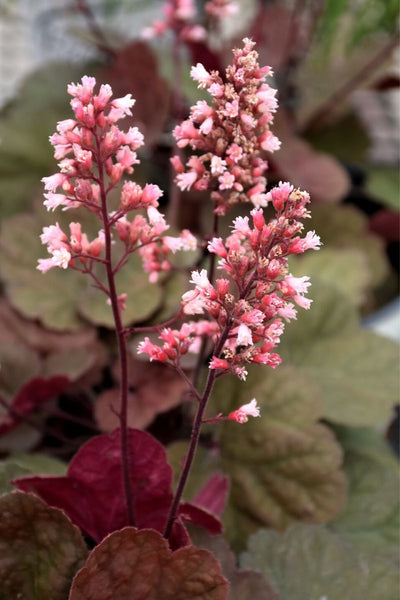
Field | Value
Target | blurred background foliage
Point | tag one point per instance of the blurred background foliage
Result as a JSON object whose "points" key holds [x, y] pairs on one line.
{"points": [[320, 463]]}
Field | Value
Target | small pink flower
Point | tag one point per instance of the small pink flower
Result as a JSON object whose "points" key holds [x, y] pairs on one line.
{"points": [[218, 363], [53, 201], [218, 165], [216, 90], [186, 180], [235, 152], [217, 247], [226, 181], [200, 280], [241, 225], [61, 258], [231, 109], [244, 337], [242, 414], [201, 75]]}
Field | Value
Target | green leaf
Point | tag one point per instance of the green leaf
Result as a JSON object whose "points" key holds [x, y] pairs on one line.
{"points": [[284, 466], [344, 227], [307, 562], [143, 297], [245, 584], [59, 297], [355, 370], [346, 269], [50, 297], [371, 517], [25, 153], [25, 464], [40, 548], [384, 184], [139, 564]]}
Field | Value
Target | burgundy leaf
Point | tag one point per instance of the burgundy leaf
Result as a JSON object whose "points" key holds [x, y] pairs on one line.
{"points": [[92, 492], [214, 494], [35, 392], [199, 516]]}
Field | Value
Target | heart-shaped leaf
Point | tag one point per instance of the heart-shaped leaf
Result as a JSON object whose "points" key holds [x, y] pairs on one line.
{"points": [[40, 549], [92, 493], [307, 562], [355, 370], [132, 564], [284, 466], [370, 520]]}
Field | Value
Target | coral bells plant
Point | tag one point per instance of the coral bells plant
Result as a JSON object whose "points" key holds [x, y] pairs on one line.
{"points": [[237, 317]]}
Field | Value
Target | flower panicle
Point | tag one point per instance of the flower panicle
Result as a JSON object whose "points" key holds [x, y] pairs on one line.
{"points": [[90, 144], [231, 134], [257, 294]]}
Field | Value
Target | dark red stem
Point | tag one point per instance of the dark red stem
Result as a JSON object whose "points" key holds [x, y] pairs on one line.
{"points": [[194, 440], [120, 334]]}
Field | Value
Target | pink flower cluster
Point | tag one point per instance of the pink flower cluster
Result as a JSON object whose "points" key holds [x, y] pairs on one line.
{"points": [[178, 342], [230, 135], [90, 145], [259, 293], [178, 18]]}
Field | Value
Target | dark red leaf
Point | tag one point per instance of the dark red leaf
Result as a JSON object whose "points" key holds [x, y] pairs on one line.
{"points": [[199, 516], [30, 397], [214, 494], [92, 492]]}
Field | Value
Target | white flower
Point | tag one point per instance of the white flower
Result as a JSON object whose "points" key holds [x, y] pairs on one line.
{"points": [[244, 337], [61, 258], [200, 279], [201, 75]]}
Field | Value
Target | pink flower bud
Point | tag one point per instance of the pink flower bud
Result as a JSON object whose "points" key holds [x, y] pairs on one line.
{"points": [[241, 415]]}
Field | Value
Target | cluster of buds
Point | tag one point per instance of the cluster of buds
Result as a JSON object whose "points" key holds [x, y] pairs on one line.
{"points": [[259, 295], [230, 135], [92, 147], [63, 250], [178, 18], [178, 342]]}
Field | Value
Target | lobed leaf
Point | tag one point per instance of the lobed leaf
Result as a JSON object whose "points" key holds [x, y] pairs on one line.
{"points": [[284, 466], [41, 550], [132, 564], [354, 370]]}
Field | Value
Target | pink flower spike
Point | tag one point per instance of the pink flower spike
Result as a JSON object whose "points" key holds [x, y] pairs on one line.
{"points": [[242, 414]]}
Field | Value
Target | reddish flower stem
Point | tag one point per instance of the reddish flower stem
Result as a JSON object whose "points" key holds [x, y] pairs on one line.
{"points": [[120, 335], [194, 440]]}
